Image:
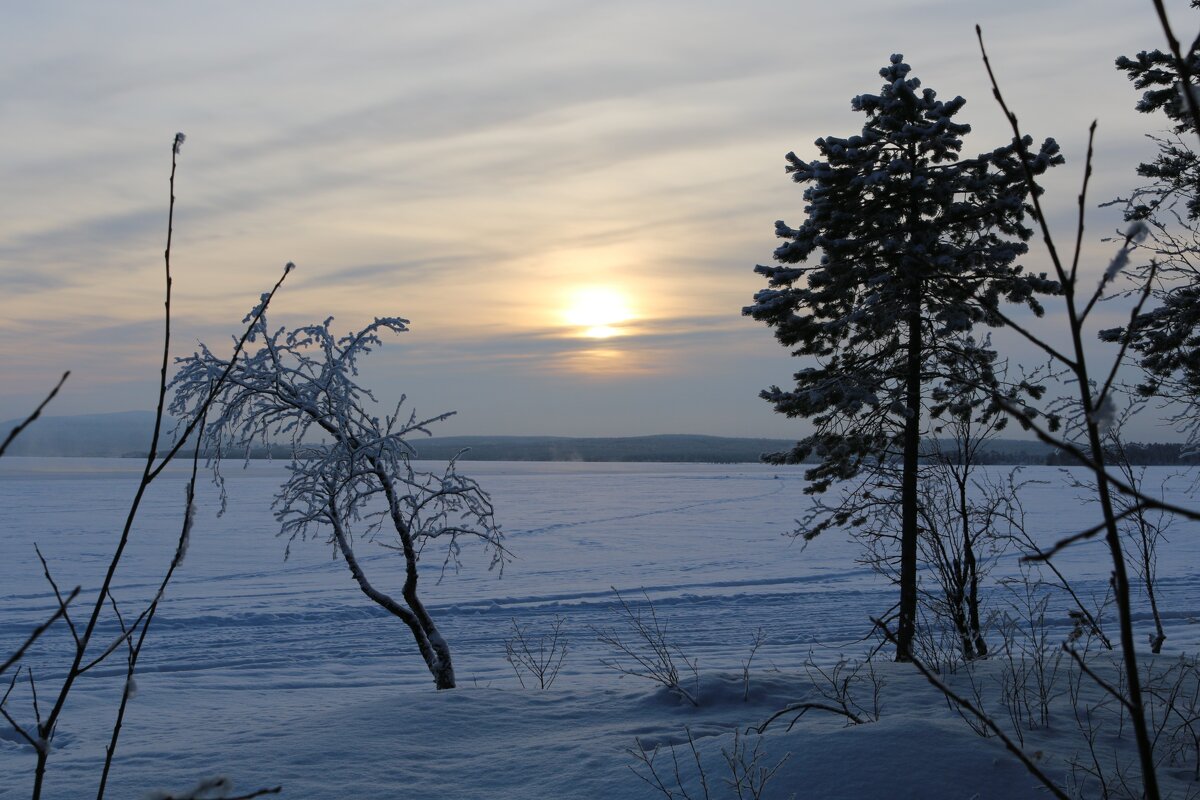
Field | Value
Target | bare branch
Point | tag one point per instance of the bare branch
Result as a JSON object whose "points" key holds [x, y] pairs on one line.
{"points": [[39, 630], [1064, 543], [62, 604], [36, 413], [213, 789], [1091, 673]]}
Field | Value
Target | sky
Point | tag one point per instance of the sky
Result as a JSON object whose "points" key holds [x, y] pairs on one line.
{"points": [[566, 199]]}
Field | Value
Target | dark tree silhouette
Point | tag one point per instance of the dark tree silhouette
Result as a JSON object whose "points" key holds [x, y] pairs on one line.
{"points": [[913, 246]]}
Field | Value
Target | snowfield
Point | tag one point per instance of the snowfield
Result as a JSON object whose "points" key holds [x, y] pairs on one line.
{"points": [[281, 672]]}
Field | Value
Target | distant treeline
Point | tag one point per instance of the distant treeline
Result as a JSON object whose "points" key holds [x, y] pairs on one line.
{"points": [[126, 434], [678, 448], [1142, 454], [711, 450]]}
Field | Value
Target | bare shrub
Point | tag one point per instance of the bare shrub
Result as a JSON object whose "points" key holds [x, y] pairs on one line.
{"points": [[1144, 529], [644, 650], [975, 697], [1030, 660], [670, 785], [1087, 614], [542, 658], [759, 638], [851, 688], [1173, 703], [748, 773]]}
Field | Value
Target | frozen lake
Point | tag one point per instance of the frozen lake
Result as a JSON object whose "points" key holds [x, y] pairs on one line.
{"points": [[242, 629]]}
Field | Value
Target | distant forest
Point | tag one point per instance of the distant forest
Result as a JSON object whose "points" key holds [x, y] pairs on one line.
{"points": [[124, 435], [684, 448], [1156, 453]]}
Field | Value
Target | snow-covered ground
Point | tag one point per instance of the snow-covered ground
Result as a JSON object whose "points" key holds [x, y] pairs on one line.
{"points": [[282, 672]]}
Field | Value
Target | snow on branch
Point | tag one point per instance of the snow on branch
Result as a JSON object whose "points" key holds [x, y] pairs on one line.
{"points": [[351, 474]]}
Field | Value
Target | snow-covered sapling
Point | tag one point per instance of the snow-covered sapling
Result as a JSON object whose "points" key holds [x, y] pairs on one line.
{"points": [[359, 479]]}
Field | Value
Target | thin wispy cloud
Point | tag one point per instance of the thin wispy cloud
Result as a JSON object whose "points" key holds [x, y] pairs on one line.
{"points": [[470, 166]]}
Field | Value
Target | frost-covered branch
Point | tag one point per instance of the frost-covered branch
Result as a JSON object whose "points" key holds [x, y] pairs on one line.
{"points": [[351, 472]]}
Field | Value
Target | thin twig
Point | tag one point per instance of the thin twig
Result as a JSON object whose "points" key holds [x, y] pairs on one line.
{"points": [[1079, 226], [135, 649], [1127, 339], [47, 727], [1063, 544], [38, 631], [1103, 684], [37, 412], [804, 708], [62, 604]]}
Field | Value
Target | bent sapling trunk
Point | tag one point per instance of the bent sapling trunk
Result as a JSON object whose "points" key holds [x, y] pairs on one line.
{"points": [[432, 646]]}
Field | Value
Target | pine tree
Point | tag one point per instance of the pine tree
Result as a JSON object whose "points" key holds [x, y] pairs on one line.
{"points": [[1166, 212], [1175, 172], [912, 247]]}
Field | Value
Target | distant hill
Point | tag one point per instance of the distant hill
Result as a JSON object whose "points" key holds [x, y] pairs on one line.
{"points": [[678, 447], [669, 447], [85, 435], [128, 433]]}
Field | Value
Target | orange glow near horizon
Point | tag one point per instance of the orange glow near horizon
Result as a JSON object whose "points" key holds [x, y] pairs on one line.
{"points": [[598, 310]]}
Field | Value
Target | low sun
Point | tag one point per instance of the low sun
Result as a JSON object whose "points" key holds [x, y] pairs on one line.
{"points": [[598, 310]]}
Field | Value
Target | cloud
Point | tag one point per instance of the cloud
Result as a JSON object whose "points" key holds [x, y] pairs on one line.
{"points": [[372, 275], [465, 164]]}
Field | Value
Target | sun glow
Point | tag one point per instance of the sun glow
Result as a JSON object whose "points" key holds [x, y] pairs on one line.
{"points": [[599, 311]]}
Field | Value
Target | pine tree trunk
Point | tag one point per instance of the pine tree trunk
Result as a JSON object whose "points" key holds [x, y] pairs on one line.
{"points": [[907, 625]]}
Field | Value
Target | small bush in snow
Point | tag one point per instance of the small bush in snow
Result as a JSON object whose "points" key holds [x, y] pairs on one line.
{"points": [[644, 650], [747, 767], [540, 658]]}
